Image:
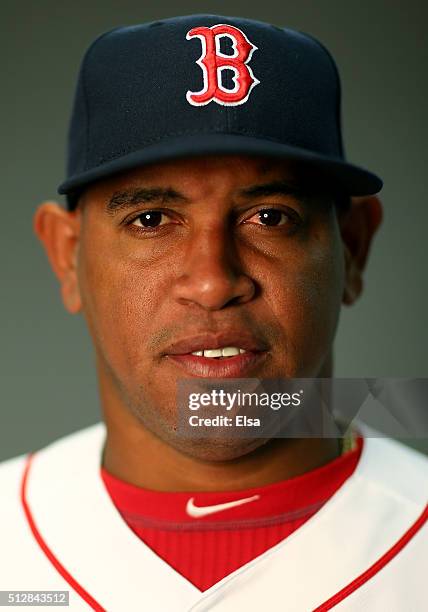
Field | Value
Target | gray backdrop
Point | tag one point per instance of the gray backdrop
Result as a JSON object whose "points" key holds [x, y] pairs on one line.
{"points": [[47, 371]]}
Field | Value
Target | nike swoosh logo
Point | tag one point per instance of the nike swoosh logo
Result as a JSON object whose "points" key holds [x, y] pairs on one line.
{"points": [[199, 511]]}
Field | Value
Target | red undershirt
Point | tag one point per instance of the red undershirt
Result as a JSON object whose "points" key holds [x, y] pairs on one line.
{"points": [[206, 549]]}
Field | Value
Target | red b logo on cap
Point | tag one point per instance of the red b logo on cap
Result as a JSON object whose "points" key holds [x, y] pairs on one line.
{"points": [[213, 62]]}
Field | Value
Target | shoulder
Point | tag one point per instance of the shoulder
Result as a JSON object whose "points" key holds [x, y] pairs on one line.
{"points": [[25, 559], [400, 471], [10, 474], [12, 470]]}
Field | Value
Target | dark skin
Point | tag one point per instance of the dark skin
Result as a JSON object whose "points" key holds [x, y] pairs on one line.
{"points": [[211, 264]]}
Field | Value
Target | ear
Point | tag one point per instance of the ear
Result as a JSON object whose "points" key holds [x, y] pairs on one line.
{"points": [[358, 226], [58, 230]]}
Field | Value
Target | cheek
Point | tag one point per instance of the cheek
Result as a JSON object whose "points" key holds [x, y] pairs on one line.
{"points": [[306, 303], [120, 302]]}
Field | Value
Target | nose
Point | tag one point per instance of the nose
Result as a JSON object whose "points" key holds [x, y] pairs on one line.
{"points": [[210, 275]]}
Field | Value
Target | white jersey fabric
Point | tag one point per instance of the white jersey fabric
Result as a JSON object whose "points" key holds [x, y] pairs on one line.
{"points": [[368, 543]]}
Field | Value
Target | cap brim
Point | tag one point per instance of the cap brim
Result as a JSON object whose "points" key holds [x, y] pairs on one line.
{"points": [[345, 177]]}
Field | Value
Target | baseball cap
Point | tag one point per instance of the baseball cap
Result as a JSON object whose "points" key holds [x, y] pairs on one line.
{"points": [[207, 85]]}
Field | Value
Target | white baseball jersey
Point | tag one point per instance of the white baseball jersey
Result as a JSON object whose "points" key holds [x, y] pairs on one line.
{"points": [[366, 549]]}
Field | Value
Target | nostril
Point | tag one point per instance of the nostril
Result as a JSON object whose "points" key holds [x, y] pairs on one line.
{"points": [[156, 23]]}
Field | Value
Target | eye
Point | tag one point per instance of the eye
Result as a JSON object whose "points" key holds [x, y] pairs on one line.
{"points": [[149, 219], [271, 217]]}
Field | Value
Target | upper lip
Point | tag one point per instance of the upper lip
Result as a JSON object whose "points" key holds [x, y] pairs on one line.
{"points": [[199, 342]]}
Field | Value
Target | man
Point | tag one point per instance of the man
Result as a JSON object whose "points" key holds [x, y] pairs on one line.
{"points": [[210, 234]]}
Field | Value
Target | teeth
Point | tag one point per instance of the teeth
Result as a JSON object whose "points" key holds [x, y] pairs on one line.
{"points": [[213, 353], [230, 351], [227, 351]]}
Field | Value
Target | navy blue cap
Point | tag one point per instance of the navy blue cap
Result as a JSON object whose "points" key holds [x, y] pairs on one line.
{"points": [[207, 84]]}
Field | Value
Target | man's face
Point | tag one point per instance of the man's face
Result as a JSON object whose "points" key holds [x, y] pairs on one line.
{"points": [[197, 254]]}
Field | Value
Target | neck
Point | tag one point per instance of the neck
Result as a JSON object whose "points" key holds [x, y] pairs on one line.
{"points": [[144, 460], [135, 455]]}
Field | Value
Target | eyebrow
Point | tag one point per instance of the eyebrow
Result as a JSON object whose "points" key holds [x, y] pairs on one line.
{"points": [[131, 198], [280, 187]]}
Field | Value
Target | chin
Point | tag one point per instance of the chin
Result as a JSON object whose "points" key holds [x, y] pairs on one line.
{"points": [[217, 449]]}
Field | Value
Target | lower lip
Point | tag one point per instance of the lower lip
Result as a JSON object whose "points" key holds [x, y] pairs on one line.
{"points": [[239, 366]]}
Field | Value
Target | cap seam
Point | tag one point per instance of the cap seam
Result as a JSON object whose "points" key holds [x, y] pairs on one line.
{"points": [[85, 96], [86, 105], [235, 131], [338, 91]]}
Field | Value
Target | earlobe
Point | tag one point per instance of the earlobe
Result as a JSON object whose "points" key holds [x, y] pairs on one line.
{"points": [[358, 227], [70, 294], [58, 230], [353, 279]]}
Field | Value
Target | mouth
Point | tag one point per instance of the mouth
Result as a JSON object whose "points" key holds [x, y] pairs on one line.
{"points": [[234, 354]]}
